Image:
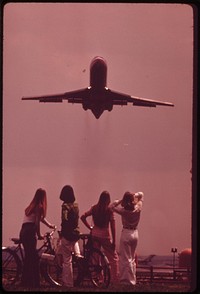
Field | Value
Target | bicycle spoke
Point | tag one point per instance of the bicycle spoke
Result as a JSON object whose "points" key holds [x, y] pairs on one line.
{"points": [[52, 272], [92, 269], [99, 269], [10, 267]]}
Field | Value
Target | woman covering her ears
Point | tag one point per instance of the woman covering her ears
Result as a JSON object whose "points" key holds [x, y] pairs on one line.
{"points": [[131, 205]]}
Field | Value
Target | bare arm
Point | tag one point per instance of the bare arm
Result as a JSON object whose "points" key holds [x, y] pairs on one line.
{"points": [[48, 224], [113, 231], [115, 203], [114, 206], [37, 222], [40, 218], [138, 200], [84, 219]]}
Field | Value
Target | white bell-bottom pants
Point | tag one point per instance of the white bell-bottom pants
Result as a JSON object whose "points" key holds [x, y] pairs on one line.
{"points": [[67, 272], [127, 265]]}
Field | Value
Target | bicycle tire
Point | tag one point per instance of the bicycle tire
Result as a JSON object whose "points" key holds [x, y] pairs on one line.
{"points": [[51, 271], [99, 268], [11, 267]]}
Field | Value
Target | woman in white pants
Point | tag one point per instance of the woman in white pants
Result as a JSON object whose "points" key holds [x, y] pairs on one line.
{"points": [[130, 214], [69, 233]]}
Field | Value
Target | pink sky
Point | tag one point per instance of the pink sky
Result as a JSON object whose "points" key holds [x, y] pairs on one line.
{"points": [[149, 51]]}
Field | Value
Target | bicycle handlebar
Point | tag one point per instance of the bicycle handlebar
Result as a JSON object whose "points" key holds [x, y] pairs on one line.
{"points": [[50, 233]]}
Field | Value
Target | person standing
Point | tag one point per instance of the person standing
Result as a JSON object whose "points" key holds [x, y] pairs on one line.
{"points": [[130, 215], [102, 217], [30, 230], [69, 233]]}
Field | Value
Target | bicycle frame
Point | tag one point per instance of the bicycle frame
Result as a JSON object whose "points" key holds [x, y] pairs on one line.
{"points": [[46, 244], [92, 268], [16, 255], [87, 268], [17, 249]]}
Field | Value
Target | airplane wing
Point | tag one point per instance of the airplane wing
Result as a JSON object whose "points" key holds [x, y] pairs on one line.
{"points": [[123, 99], [76, 96]]}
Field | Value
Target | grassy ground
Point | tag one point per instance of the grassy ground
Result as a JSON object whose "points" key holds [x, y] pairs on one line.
{"points": [[143, 287]]}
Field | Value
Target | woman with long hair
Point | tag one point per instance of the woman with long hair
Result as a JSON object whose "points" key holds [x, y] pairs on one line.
{"points": [[35, 213], [102, 217], [130, 213]]}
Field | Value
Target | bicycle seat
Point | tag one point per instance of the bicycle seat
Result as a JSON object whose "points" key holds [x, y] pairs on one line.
{"points": [[16, 240]]}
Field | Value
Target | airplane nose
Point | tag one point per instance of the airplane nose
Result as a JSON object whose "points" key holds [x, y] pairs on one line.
{"points": [[98, 58], [98, 73], [98, 61]]}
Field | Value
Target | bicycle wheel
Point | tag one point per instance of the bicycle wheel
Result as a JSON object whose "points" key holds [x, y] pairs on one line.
{"points": [[99, 268], [11, 267], [51, 270]]}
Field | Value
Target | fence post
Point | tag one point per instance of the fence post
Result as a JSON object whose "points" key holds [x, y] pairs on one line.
{"points": [[151, 273]]}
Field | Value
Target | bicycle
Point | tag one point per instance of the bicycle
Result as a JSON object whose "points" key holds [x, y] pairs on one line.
{"points": [[13, 260], [92, 268]]}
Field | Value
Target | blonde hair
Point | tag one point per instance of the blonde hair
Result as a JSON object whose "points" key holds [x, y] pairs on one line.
{"points": [[39, 202]]}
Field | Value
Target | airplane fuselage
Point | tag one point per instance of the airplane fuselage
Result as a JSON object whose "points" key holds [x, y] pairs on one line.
{"points": [[97, 96], [98, 74], [97, 100]]}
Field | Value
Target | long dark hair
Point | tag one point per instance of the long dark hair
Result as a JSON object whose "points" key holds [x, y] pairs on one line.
{"points": [[101, 211], [39, 202], [104, 201], [127, 201], [67, 194]]}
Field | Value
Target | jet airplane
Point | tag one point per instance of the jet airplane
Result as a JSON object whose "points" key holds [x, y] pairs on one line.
{"points": [[98, 97], [147, 260]]}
